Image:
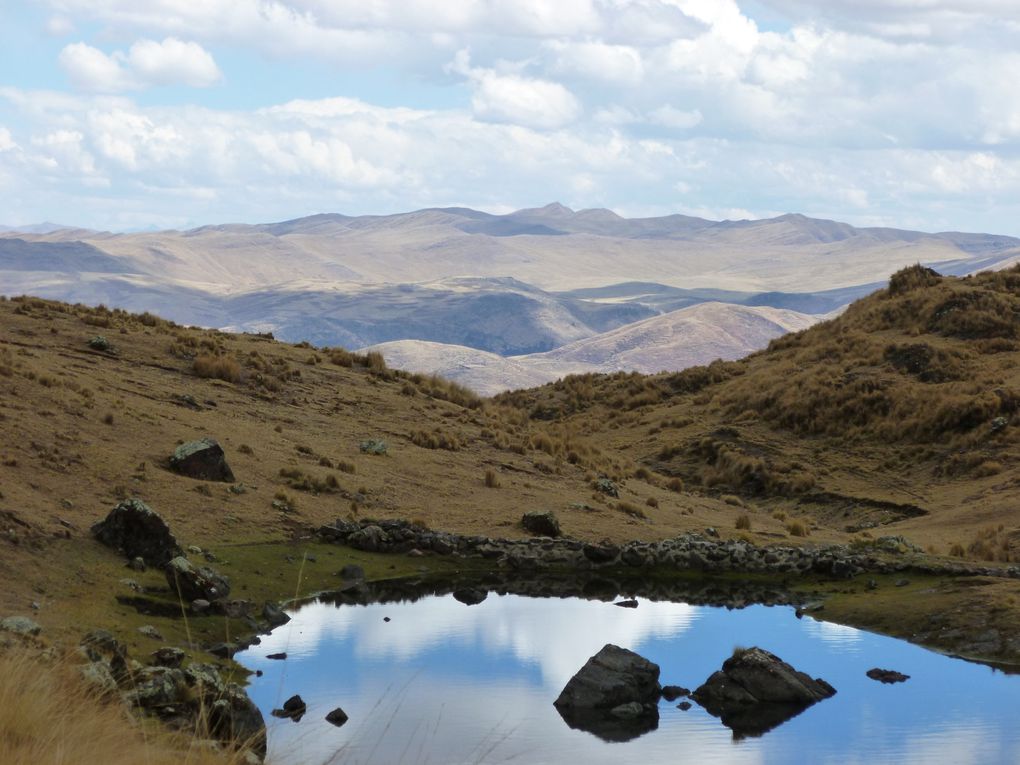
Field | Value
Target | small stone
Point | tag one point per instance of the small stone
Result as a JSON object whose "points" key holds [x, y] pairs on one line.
{"points": [[277, 656], [294, 708], [887, 676], [150, 632], [626, 603], [137, 563], [337, 717], [386, 618], [683, 706], [200, 605]]}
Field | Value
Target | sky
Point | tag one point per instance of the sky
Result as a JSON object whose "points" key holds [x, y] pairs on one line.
{"points": [[137, 114]]}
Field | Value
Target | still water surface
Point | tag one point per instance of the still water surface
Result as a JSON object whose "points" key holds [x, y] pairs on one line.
{"points": [[442, 683]]}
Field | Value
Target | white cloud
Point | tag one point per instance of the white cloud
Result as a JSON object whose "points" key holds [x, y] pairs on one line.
{"points": [[6, 140], [147, 63], [516, 99], [669, 116], [620, 64], [59, 26]]}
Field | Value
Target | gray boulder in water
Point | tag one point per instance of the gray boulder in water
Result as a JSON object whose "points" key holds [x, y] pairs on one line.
{"points": [[756, 691], [613, 696]]}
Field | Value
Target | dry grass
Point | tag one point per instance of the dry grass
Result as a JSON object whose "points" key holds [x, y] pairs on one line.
{"points": [[219, 367], [49, 717]]}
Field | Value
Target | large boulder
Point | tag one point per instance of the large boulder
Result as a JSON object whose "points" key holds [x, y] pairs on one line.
{"points": [[193, 583], [756, 691], [203, 459], [614, 695], [137, 531]]}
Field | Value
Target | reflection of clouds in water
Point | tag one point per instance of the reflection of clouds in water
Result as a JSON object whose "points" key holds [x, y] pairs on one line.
{"points": [[836, 634], [968, 742], [547, 632], [494, 723]]}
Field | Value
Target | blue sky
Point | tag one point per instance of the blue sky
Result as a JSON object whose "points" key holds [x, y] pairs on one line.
{"points": [[128, 114]]}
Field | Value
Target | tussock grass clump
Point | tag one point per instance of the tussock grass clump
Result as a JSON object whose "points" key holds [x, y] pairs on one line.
{"points": [[301, 481], [743, 522], [219, 367], [631, 509], [491, 480], [797, 529], [437, 439]]}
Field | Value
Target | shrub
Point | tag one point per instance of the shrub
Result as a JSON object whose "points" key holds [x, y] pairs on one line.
{"points": [[743, 522], [632, 510], [437, 439], [797, 529], [652, 502], [491, 479], [219, 367]]}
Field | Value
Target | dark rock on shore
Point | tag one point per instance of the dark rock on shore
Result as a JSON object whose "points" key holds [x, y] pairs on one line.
{"points": [[545, 524], [274, 615], [756, 691], [137, 531], [203, 460], [887, 676], [673, 692], [167, 656], [192, 583]]}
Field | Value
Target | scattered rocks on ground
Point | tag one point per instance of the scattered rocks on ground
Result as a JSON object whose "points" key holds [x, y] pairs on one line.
{"points": [[756, 691], [203, 460], [138, 532], [337, 717], [887, 676], [294, 709], [192, 583], [544, 524]]}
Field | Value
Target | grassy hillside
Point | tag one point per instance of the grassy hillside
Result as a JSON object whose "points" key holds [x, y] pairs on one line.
{"points": [[901, 411]]}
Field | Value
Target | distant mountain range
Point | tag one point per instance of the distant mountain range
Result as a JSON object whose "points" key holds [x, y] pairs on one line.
{"points": [[535, 281]]}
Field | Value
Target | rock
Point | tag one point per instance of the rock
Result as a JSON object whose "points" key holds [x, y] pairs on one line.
{"points": [[755, 691], [683, 706], [167, 656], [200, 605], [137, 531], [470, 596], [192, 583], [98, 676], [137, 563], [626, 603], [673, 692], [150, 632], [223, 650], [20, 625], [604, 553], [887, 676], [99, 343], [612, 677], [273, 614], [369, 538], [277, 656], [203, 460], [234, 718], [373, 446], [337, 717], [606, 486], [628, 711], [544, 524], [294, 708]]}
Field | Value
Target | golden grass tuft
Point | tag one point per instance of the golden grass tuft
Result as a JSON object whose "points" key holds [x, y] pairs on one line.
{"points": [[219, 367]]}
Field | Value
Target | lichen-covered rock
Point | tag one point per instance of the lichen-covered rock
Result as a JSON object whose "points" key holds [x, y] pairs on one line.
{"points": [[192, 583], [168, 656], [20, 625], [203, 459], [137, 531], [755, 691], [544, 524]]}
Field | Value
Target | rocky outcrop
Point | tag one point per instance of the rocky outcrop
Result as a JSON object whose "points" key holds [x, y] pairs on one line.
{"points": [[192, 583], [189, 698], [686, 552], [755, 691], [203, 459], [545, 524], [614, 695], [136, 531]]}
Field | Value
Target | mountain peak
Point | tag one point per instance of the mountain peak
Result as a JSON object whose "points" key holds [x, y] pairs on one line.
{"points": [[552, 210]]}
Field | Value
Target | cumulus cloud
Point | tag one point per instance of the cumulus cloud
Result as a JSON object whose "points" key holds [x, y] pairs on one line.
{"points": [[514, 98], [6, 140], [147, 63]]}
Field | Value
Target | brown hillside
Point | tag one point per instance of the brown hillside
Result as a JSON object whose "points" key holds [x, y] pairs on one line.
{"points": [[901, 411]]}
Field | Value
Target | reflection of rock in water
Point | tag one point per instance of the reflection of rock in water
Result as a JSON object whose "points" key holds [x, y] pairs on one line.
{"points": [[613, 696], [599, 722], [756, 691]]}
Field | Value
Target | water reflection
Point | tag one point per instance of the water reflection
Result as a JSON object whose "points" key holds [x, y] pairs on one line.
{"points": [[444, 682]]}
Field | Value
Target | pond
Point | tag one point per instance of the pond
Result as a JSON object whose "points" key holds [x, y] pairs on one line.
{"points": [[432, 680]]}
